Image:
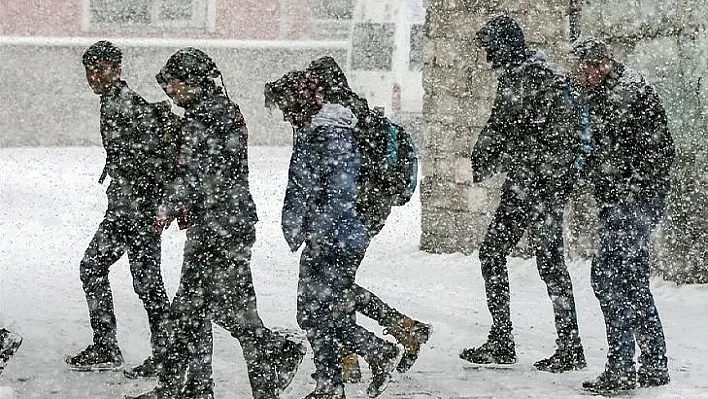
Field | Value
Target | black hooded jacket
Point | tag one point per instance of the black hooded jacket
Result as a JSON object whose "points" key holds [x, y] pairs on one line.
{"points": [[137, 158], [213, 180], [632, 146], [531, 133]]}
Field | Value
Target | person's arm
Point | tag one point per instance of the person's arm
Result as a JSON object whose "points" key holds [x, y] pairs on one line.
{"points": [[655, 151], [489, 152]]}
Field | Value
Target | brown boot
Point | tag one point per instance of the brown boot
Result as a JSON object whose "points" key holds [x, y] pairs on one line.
{"points": [[351, 373], [411, 334]]}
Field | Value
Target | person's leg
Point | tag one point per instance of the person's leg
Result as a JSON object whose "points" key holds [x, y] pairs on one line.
{"points": [[546, 238], [144, 253], [106, 247], [609, 282], [314, 316], [647, 326], [504, 232], [232, 302]]}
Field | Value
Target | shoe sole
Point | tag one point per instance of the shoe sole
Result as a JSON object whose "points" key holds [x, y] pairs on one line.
{"points": [[487, 364], [94, 367]]}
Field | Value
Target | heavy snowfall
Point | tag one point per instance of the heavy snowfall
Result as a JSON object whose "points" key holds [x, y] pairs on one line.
{"points": [[51, 209]]}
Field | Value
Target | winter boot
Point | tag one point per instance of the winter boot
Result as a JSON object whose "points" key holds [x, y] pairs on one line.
{"points": [[334, 393], [157, 393], [411, 334], [351, 372], [96, 358], [652, 378], [288, 361], [497, 350], [147, 369], [612, 382], [381, 369], [566, 358], [9, 343]]}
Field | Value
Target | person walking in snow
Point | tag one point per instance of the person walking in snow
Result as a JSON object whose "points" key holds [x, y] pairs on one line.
{"points": [[138, 165], [531, 136], [216, 283], [632, 153], [374, 210], [320, 212]]}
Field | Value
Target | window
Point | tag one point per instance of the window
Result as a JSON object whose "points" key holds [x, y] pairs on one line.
{"points": [[127, 15], [331, 19], [372, 46], [415, 58], [332, 9]]}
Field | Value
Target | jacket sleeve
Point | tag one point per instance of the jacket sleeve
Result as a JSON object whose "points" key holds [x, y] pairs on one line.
{"points": [[294, 213], [655, 151], [489, 151], [338, 180]]}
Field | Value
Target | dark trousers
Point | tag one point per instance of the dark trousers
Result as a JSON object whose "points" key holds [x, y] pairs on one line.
{"points": [[325, 309], [541, 216], [115, 236], [620, 278], [216, 285]]}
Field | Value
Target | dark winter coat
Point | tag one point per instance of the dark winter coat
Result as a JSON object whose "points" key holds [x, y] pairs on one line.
{"points": [[632, 146], [320, 199], [137, 153], [213, 179], [531, 133]]}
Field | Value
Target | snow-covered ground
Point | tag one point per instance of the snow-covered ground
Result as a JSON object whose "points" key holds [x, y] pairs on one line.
{"points": [[50, 205]]}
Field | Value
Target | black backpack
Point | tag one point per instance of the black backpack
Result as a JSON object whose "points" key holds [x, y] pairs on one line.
{"points": [[388, 174]]}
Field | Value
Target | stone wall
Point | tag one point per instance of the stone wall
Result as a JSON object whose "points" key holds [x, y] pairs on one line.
{"points": [[459, 88], [665, 40]]}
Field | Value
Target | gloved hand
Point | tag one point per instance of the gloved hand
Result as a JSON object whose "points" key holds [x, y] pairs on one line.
{"points": [[160, 222], [183, 218]]}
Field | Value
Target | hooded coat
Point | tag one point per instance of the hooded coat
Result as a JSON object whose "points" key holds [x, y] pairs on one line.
{"points": [[320, 199]]}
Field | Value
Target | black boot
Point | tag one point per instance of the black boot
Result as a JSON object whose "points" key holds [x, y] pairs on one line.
{"points": [[157, 393], [497, 350], [612, 381], [147, 369], [566, 358], [325, 390], [97, 358], [288, 361], [381, 369], [648, 378]]}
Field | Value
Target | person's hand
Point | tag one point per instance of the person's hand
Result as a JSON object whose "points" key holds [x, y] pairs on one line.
{"points": [[160, 222]]}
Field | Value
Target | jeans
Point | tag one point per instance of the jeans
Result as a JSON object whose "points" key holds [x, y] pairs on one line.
{"points": [[620, 279], [325, 309]]}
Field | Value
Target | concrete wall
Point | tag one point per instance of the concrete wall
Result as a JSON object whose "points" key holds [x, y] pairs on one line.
{"points": [[46, 101]]}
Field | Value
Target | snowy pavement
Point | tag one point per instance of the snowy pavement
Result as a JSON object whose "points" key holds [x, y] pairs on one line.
{"points": [[50, 205]]}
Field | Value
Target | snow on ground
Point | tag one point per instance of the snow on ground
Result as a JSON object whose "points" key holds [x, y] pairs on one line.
{"points": [[51, 204]]}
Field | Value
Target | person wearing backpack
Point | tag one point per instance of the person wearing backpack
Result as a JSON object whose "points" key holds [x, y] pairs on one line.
{"points": [[319, 211], [137, 161], [531, 135], [378, 190], [216, 282]]}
